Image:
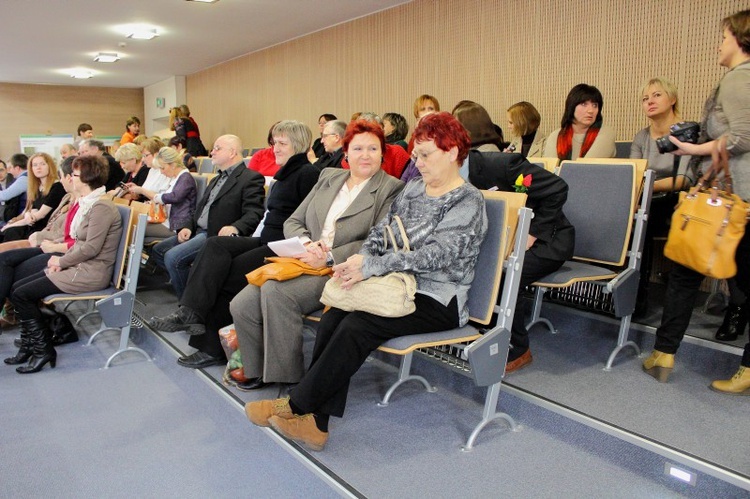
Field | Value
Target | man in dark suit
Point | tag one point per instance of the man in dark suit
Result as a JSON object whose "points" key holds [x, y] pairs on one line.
{"points": [[551, 235], [231, 206], [93, 147]]}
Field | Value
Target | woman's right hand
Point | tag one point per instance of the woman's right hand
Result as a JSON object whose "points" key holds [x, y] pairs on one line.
{"points": [[184, 235]]}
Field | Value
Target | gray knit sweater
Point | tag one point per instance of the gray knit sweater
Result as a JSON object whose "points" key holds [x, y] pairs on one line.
{"points": [[444, 234]]}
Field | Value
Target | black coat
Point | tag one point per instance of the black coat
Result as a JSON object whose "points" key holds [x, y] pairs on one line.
{"points": [[239, 203], [546, 196], [294, 181]]}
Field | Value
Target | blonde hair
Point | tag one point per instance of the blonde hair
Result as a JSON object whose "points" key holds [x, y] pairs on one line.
{"points": [[525, 118], [421, 100], [668, 87], [167, 156], [126, 152], [34, 184]]}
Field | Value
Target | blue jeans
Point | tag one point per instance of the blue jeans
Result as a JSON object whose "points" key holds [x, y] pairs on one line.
{"points": [[177, 258]]}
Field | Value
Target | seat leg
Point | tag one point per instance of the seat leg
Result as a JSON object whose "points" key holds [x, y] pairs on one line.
{"points": [[536, 311], [622, 342], [403, 377], [90, 310], [489, 414], [124, 339]]}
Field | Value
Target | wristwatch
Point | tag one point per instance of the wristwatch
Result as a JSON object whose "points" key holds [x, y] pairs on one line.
{"points": [[329, 259]]}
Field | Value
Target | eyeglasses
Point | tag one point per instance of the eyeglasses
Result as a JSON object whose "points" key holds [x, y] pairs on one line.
{"points": [[417, 155], [327, 134], [75, 174]]}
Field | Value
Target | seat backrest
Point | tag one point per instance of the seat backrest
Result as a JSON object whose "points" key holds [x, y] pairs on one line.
{"points": [[201, 181], [502, 216], [549, 164], [600, 205], [622, 149], [205, 165], [640, 169], [128, 222]]}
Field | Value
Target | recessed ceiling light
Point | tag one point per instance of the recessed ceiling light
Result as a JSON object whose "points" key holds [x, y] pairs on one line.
{"points": [[81, 73], [107, 57], [143, 33], [203, 1]]}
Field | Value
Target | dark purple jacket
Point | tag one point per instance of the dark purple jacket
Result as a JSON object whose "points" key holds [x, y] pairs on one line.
{"points": [[182, 200]]}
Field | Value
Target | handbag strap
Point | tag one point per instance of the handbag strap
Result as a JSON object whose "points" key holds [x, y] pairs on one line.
{"points": [[406, 248], [719, 165]]}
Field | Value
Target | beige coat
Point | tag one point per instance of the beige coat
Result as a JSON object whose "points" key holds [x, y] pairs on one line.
{"points": [[88, 264]]}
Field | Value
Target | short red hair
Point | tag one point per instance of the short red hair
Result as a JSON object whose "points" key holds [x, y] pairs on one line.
{"points": [[446, 131], [362, 126]]}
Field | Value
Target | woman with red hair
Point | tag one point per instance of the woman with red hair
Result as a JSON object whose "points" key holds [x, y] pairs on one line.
{"points": [[445, 221]]}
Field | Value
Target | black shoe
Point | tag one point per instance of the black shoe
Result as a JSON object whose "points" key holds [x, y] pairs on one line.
{"points": [[199, 360], [184, 319], [252, 384], [735, 322]]}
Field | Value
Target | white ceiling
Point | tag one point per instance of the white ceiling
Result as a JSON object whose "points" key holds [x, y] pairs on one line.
{"points": [[40, 39]]}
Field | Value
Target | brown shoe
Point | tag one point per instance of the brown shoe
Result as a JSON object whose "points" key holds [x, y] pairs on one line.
{"points": [[522, 361], [301, 429], [260, 411]]}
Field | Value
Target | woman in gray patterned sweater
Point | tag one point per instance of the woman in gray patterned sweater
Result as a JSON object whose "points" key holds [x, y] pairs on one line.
{"points": [[445, 222]]}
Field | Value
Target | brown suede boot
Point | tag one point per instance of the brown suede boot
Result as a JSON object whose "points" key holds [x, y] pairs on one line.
{"points": [[301, 429], [260, 411], [8, 318]]}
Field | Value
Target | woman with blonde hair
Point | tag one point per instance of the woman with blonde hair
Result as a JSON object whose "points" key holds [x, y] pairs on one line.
{"points": [[186, 128], [180, 195], [523, 124], [43, 194]]}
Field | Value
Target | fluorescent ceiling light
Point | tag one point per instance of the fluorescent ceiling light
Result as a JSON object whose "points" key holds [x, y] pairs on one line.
{"points": [[81, 73], [203, 1], [143, 33], [107, 57]]}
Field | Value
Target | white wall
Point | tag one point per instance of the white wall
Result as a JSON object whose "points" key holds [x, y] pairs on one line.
{"points": [[156, 119]]}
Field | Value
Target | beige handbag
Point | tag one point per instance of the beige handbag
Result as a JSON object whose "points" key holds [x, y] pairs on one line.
{"points": [[391, 295]]}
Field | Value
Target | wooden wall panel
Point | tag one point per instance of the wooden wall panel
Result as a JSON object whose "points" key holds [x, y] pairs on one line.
{"points": [[52, 109], [494, 52]]}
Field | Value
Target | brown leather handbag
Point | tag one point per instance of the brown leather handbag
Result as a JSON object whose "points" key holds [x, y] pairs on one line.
{"points": [[708, 223], [282, 268]]}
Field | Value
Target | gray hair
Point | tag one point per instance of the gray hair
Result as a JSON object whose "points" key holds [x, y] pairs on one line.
{"points": [[297, 132], [338, 127], [370, 116], [93, 143]]}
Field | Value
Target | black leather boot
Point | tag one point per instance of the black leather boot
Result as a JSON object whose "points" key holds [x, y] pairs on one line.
{"points": [[24, 349], [43, 351], [735, 322]]}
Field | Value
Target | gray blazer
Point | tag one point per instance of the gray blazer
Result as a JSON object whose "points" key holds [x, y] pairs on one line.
{"points": [[87, 265], [354, 224]]}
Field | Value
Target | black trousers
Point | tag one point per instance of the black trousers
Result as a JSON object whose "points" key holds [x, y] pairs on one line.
{"points": [[345, 339], [27, 292], [682, 291], [534, 268], [217, 275], [17, 264]]}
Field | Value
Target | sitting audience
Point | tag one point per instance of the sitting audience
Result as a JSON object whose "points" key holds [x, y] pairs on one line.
{"points": [[395, 158], [476, 120], [396, 129], [84, 132], [232, 205], [96, 227], [582, 132], [317, 145], [333, 221], [523, 123], [67, 150], [43, 195], [155, 180], [333, 141], [14, 195], [264, 161], [445, 219], [19, 259], [179, 197], [136, 172], [423, 105], [219, 270]]}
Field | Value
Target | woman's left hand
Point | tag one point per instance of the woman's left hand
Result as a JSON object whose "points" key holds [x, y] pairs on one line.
{"points": [[134, 188], [350, 272], [315, 256]]}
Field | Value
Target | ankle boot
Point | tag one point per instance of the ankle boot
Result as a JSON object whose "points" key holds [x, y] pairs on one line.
{"points": [[24, 349], [659, 365], [43, 351], [738, 385], [8, 319], [735, 322]]}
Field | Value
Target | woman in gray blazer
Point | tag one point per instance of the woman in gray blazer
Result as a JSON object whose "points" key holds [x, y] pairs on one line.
{"points": [[87, 266], [332, 222]]}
